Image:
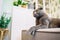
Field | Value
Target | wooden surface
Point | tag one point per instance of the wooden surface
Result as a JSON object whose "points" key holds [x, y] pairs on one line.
{"points": [[3, 32], [41, 35], [50, 30]]}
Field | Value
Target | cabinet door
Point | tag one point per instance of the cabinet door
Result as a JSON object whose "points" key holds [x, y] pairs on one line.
{"points": [[22, 20]]}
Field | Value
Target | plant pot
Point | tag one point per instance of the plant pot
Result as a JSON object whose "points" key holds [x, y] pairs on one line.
{"points": [[24, 6], [3, 29], [3, 33]]}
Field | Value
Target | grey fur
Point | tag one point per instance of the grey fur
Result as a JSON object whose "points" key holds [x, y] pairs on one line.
{"points": [[43, 19]]}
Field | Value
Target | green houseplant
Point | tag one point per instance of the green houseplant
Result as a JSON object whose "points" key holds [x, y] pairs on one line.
{"points": [[18, 2], [4, 21]]}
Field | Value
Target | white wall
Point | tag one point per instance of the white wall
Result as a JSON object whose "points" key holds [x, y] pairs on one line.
{"points": [[0, 7], [6, 7], [22, 20]]}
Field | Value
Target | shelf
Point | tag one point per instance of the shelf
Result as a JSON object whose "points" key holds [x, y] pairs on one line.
{"points": [[40, 35]]}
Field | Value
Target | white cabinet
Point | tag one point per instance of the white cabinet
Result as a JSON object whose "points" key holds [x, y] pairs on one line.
{"points": [[22, 19]]}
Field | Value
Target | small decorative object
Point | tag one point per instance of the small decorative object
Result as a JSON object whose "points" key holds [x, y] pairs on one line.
{"points": [[31, 5], [24, 5], [20, 3], [4, 21]]}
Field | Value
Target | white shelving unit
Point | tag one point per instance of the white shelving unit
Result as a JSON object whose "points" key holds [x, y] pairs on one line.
{"points": [[22, 20]]}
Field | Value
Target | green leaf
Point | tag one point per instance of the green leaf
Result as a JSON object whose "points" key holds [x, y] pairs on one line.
{"points": [[19, 2], [15, 3], [4, 21]]}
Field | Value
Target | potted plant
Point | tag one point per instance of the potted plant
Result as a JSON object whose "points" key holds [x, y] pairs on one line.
{"points": [[20, 3], [4, 21]]}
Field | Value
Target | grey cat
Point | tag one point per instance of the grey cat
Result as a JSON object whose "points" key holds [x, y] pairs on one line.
{"points": [[43, 20]]}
